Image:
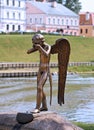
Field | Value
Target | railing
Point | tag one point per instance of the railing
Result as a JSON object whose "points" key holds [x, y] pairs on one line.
{"points": [[4, 66], [81, 64], [7, 66]]}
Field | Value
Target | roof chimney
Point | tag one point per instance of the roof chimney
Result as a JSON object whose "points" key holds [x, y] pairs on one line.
{"points": [[53, 3], [44, 1], [87, 15]]}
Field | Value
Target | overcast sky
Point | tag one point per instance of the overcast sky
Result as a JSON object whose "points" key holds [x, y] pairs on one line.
{"points": [[87, 5]]}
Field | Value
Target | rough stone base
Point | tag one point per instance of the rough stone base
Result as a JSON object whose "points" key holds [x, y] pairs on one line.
{"points": [[42, 121]]}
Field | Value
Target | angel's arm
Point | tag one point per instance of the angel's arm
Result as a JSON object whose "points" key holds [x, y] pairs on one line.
{"points": [[46, 50], [31, 50]]}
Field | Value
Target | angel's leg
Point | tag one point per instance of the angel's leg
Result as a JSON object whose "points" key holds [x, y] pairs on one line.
{"points": [[44, 103], [41, 97]]}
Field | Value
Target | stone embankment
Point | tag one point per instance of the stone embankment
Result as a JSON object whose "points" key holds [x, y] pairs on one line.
{"points": [[41, 121], [29, 69]]}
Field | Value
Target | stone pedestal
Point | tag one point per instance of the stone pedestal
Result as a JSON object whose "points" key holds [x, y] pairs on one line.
{"points": [[41, 121]]}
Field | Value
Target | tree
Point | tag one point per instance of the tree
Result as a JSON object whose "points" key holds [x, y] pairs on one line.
{"points": [[73, 5]]}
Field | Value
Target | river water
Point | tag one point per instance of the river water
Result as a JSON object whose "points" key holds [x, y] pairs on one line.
{"points": [[19, 94]]}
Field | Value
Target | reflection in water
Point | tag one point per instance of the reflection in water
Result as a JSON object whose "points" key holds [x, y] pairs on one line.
{"points": [[19, 94]]}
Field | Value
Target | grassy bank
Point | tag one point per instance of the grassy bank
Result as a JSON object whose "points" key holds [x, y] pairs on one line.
{"points": [[13, 49], [81, 69], [85, 126]]}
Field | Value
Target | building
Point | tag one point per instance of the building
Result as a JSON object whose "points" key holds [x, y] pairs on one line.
{"points": [[51, 16], [86, 24], [12, 15]]}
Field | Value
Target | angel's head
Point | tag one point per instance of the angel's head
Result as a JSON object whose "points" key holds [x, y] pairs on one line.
{"points": [[38, 39]]}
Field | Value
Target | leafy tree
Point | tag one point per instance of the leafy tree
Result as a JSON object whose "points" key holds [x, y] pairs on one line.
{"points": [[73, 5]]}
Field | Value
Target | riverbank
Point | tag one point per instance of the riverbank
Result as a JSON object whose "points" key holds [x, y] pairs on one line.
{"points": [[19, 69], [14, 47], [31, 72], [18, 73]]}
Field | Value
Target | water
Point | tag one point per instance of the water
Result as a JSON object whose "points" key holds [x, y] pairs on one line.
{"points": [[19, 94]]}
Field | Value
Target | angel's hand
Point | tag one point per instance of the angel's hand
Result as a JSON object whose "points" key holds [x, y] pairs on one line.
{"points": [[37, 46], [29, 51]]}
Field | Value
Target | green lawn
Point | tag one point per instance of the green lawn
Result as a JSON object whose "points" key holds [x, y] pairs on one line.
{"points": [[13, 48], [85, 126]]}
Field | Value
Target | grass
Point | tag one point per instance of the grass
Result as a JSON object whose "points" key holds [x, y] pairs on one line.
{"points": [[85, 126], [82, 49], [13, 48], [81, 69]]}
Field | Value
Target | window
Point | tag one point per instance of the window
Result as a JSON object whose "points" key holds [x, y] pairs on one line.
{"points": [[62, 21], [19, 27], [19, 16], [30, 20], [13, 15], [49, 20], [53, 21], [58, 21], [13, 27], [71, 22], [19, 3], [40, 20], [86, 30], [13, 2], [81, 31], [35, 20], [75, 33], [8, 15], [67, 22], [75, 22], [70, 33], [7, 2], [7, 27]]}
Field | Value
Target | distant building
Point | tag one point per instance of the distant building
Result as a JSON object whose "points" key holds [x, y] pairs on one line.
{"points": [[86, 24], [12, 15], [51, 16]]}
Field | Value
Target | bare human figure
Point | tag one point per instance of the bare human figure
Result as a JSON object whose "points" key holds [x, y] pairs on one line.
{"points": [[44, 70], [62, 49]]}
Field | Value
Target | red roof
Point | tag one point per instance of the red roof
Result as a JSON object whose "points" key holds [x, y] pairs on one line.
{"points": [[87, 18]]}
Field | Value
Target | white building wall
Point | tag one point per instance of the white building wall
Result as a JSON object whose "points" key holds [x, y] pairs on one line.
{"points": [[70, 25], [51, 22], [35, 22], [13, 16]]}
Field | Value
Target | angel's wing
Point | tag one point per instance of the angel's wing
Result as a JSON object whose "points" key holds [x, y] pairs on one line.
{"points": [[62, 47]]}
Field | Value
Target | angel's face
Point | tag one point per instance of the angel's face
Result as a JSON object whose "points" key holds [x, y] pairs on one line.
{"points": [[35, 44]]}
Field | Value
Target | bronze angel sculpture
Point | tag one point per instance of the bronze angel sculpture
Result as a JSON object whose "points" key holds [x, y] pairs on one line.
{"points": [[62, 48]]}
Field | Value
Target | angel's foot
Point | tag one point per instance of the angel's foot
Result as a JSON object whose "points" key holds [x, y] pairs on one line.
{"points": [[35, 111], [43, 109]]}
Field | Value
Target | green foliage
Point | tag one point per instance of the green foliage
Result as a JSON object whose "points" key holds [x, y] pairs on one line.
{"points": [[73, 5]]}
